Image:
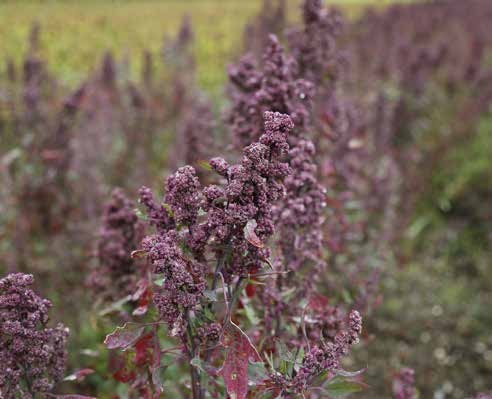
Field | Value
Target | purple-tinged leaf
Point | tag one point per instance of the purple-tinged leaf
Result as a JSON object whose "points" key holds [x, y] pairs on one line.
{"points": [[350, 374], [138, 254], [240, 352], [123, 337], [74, 397], [250, 234], [140, 311], [79, 375]]}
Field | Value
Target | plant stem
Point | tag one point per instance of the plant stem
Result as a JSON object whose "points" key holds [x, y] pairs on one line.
{"points": [[235, 296], [218, 268], [195, 376]]}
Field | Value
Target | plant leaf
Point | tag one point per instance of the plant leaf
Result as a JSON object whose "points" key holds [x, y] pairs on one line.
{"points": [[123, 337], [350, 374], [138, 254], [257, 373], [339, 387], [210, 295], [204, 165], [143, 349], [251, 315], [78, 375], [115, 306], [250, 234], [240, 352], [74, 397], [318, 302]]}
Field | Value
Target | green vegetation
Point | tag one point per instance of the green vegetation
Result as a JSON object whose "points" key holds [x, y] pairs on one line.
{"points": [[75, 34]]}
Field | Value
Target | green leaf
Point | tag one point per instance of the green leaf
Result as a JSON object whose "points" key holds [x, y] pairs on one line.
{"points": [[287, 358], [298, 359], [257, 372], [210, 295], [159, 282], [115, 306], [339, 387], [140, 214], [157, 376], [204, 165], [10, 157], [251, 315], [346, 296], [269, 358], [350, 374]]}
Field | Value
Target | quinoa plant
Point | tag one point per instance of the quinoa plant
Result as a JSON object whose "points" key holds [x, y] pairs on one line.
{"points": [[404, 384], [209, 250], [117, 274], [33, 354]]}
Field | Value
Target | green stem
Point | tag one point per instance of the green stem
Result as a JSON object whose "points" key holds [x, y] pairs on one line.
{"points": [[235, 296], [195, 376]]}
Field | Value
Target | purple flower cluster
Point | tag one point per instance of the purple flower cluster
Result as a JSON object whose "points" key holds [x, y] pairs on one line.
{"points": [[285, 84], [210, 332], [324, 357], [277, 88], [120, 234], [253, 186], [183, 276], [314, 45], [195, 133], [183, 195], [230, 220], [183, 282], [273, 87], [404, 384], [301, 212], [32, 355], [158, 215], [271, 19]]}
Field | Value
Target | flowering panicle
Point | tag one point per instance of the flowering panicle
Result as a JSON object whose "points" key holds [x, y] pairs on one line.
{"points": [[301, 212], [299, 215], [271, 18], [271, 88], [231, 220], [108, 71], [276, 88], [183, 280], [404, 384], [314, 45], [245, 220], [178, 57], [194, 139], [158, 215], [32, 354], [230, 223], [281, 85], [325, 356], [121, 232]]}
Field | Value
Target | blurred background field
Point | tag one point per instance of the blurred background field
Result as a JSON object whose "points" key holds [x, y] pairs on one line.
{"points": [[75, 34], [436, 297]]}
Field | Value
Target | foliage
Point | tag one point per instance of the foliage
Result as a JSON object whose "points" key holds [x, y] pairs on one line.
{"points": [[352, 183]]}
